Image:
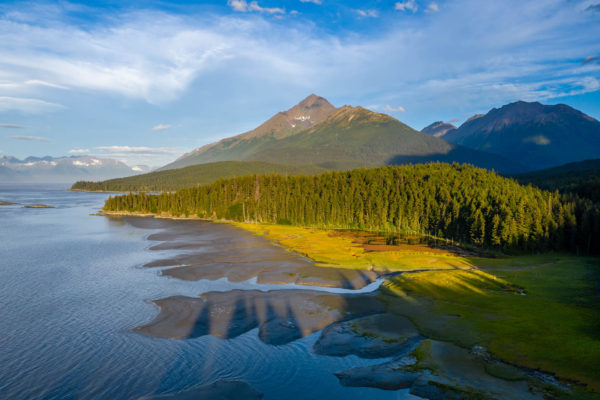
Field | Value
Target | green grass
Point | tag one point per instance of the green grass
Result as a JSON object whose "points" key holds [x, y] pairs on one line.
{"points": [[537, 311], [553, 327], [334, 251], [504, 371]]}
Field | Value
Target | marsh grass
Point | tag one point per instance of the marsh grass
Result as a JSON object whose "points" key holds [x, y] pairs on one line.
{"points": [[337, 251], [537, 311], [552, 327]]}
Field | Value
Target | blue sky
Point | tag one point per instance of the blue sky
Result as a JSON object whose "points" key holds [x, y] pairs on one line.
{"points": [[150, 80]]}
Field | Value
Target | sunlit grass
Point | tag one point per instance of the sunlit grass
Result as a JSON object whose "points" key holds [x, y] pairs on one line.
{"points": [[336, 251], [553, 326], [537, 311]]}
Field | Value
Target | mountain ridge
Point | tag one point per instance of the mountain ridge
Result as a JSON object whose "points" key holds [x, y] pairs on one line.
{"points": [[65, 169], [339, 138], [537, 135], [438, 128], [310, 111]]}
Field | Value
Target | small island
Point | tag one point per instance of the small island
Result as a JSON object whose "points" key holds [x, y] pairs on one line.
{"points": [[38, 206], [6, 203]]}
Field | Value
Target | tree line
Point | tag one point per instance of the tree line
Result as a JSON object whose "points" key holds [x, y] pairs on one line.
{"points": [[459, 202], [175, 179]]}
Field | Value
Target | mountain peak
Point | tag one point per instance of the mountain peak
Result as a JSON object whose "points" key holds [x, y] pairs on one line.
{"points": [[532, 133], [438, 128], [304, 115], [312, 100]]}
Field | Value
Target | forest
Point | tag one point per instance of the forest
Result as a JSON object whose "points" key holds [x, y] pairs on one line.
{"points": [[175, 179], [458, 202], [580, 178]]}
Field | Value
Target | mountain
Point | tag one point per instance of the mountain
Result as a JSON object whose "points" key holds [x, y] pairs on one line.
{"points": [[438, 129], [316, 133], [307, 113], [353, 137], [61, 169], [535, 135], [174, 179], [581, 178]]}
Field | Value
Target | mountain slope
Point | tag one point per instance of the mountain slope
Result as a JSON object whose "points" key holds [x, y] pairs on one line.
{"points": [[581, 178], [307, 113], [174, 179], [438, 129], [536, 135], [355, 137]]}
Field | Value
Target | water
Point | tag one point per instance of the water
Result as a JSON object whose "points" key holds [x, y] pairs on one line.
{"points": [[72, 288]]}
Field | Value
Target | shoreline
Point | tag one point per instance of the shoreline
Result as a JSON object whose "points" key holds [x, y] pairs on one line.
{"points": [[485, 292]]}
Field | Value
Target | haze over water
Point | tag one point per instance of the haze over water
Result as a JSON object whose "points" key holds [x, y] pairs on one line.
{"points": [[73, 288]]}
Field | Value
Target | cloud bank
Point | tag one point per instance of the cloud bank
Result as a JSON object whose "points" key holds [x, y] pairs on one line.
{"points": [[30, 138], [161, 127]]}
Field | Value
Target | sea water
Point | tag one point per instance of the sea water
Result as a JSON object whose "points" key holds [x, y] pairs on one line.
{"points": [[72, 287]]}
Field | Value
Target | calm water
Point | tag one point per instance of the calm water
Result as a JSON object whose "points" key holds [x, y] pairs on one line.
{"points": [[72, 287]]}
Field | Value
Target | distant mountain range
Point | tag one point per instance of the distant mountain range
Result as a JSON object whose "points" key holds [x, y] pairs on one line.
{"points": [[438, 129], [532, 134], [63, 169], [315, 133]]}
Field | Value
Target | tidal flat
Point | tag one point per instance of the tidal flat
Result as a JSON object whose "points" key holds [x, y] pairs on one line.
{"points": [[503, 321]]}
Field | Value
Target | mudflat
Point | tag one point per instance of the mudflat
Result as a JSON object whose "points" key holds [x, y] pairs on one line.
{"points": [[213, 251], [282, 316]]}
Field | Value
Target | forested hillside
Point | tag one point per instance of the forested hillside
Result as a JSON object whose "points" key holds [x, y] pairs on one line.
{"points": [[461, 202], [174, 179], [579, 178]]}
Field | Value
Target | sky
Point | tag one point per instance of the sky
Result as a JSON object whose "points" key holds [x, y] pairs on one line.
{"points": [[146, 81]]}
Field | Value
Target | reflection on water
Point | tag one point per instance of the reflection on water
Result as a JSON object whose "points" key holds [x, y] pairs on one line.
{"points": [[73, 287]]}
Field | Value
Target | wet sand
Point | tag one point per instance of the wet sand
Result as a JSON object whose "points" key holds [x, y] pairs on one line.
{"points": [[442, 371], [355, 324], [213, 251], [281, 316], [374, 336]]}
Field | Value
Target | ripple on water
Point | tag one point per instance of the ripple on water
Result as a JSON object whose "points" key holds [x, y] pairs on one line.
{"points": [[72, 290]]}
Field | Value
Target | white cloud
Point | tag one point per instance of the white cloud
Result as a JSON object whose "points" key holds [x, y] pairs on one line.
{"points": [[137, 150], [312, 1], [390, 109], [368, 13], [512, 50], [79, 151], [161, 127], [244, 6], [30, 138], [131, 155], [44, 83], [408, 5], [27, 105], [12, 126], [432, 8]]}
